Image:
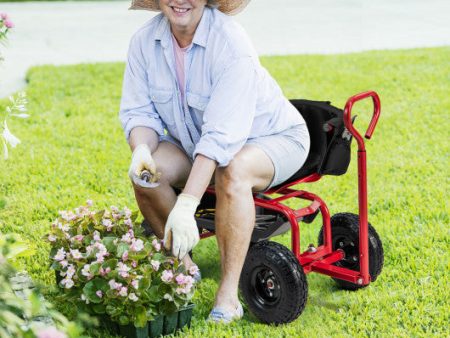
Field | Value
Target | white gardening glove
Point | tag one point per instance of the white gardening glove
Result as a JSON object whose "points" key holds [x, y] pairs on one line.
{"points": [[141, 160], [181, 227]]}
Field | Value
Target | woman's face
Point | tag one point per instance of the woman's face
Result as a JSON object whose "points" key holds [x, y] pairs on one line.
{"points": [[183, 14]]}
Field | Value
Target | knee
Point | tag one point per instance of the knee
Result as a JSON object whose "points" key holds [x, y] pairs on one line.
{"points": [[233, 179]]}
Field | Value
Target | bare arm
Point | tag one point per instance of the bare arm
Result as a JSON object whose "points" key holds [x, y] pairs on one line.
{"points": [[145, 135], [200, 176]]}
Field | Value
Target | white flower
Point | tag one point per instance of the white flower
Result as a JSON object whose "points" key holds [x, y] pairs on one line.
{"points": [[70, 271], [67, 282], [123, 291], [128, 222], [99, 293], [89, 203], [51, 238], [155, 265], [9, 138], [137, 245], [60, 255], [133, 297], [168, 297], [76, 254], [85, 271]]}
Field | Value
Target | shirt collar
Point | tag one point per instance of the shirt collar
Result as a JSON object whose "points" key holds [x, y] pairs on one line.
{"points": [[164, 34]]}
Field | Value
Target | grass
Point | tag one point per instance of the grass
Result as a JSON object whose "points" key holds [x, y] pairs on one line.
{"points": [[73, 149]]}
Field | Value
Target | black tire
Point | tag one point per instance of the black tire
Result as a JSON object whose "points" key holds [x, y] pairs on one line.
{"points": [[273, 283], [345, 236]]}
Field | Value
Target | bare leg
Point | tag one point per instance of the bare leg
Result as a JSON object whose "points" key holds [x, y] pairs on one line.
{"points": [[235, 216], [156, 203]]}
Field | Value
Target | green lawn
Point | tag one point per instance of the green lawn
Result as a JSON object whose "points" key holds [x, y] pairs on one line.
{"points": [[73, 149]]}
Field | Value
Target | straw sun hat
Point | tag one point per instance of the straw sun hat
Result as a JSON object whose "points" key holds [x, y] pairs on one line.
{"points": [[229, 7]]}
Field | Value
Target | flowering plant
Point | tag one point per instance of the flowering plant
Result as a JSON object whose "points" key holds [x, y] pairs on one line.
{"points": [[17, 108], [106, 264], [19, 315]]}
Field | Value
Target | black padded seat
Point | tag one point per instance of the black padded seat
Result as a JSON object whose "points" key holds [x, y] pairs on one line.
{"points": [[315, 114]]}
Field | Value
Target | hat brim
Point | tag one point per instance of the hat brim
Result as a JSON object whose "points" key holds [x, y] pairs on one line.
{"points": [[229, 7]]}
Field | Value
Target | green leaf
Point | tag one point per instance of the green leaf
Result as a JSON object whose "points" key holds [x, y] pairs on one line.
{"points": [[121, 248], [92, 287], [108, 242], [95, 267], [99, 308], [141, 316]]}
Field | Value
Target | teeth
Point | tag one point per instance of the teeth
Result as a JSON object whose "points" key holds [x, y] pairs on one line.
{"points": [[180, 10]]}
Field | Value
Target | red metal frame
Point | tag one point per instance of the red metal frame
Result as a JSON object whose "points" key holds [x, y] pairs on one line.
{"points": [[324, 257]]}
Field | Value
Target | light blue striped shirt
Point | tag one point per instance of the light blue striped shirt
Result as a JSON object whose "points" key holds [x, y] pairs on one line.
{"points": [[229, 97]]}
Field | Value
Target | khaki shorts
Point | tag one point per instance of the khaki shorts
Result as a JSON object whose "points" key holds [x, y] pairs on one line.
{"points": [[287, 150]]}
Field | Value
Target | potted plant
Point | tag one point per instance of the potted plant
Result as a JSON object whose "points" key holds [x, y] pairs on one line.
{"points": [[106, 265]]}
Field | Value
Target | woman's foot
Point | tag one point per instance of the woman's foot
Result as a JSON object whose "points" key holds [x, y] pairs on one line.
{"points": [[225, 315]]}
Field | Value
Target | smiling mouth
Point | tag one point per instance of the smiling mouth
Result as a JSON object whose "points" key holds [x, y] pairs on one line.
{"points": [[180, 10]]}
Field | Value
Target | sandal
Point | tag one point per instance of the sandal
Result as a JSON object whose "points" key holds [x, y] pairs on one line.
{"points": [[219, 315]]}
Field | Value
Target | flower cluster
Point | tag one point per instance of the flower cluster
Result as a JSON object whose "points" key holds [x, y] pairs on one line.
{"points": [[104, 262], [17, 107]]}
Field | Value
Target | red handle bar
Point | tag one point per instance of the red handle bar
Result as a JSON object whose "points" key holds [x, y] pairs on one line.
{"points": [[348, 118]]}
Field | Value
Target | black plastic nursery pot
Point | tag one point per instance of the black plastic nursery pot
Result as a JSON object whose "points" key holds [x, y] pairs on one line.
{"points": [[160, 326]]}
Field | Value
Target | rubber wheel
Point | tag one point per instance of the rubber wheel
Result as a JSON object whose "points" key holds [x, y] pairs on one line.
{"points": [[273, 283], [345, 236]]}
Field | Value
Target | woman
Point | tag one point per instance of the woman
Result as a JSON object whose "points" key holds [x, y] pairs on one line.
{"points": [[198, 107]]}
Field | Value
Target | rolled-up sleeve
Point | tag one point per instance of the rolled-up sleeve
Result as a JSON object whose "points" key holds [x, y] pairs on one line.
{"points": [[228, 117], [136, 107]]}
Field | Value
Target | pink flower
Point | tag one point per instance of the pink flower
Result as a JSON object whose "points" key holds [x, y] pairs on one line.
{"points": [[127, 212], [128, 222], [134, 264], [50, 332], [104, 272], [137, 245], [96, 236], [125, 256], [89, 203], [193, 269], [107, 223], [114, 209], [8, 23], [126, 238], [60, 255], [180, 279], [99, 293], [156, 244], [123, 291], [135, 284], [133, 297], [4, 16], [123, 269], [114, 285], [78, 238], [167, 276], [155, 265], [63, 263], [51, 238]]}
